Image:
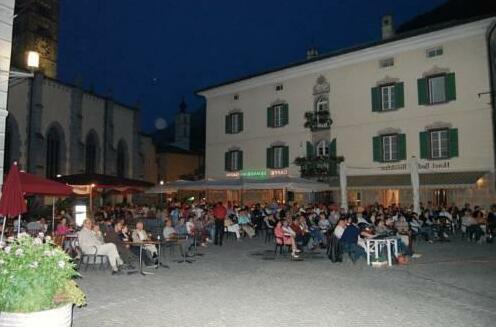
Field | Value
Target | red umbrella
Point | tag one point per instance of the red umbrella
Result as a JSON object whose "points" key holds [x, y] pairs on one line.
{"points": [[36, 185], [12, 202]]}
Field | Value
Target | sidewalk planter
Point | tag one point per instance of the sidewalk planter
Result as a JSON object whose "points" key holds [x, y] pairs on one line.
{"points": [[58, 317], [37, 286]]}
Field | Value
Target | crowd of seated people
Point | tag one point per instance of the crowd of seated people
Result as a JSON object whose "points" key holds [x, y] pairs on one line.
{"points": [[299, 227]]}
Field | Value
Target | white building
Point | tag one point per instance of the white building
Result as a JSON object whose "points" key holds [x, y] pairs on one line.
{"points": [[6, 21], [424, 94]]}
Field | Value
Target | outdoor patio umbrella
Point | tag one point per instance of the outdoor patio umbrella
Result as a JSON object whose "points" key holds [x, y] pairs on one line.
{"points": [[12, 202]]}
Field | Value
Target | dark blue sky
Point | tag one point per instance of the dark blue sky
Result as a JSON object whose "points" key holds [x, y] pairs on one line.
{"points": [[157, 51]]}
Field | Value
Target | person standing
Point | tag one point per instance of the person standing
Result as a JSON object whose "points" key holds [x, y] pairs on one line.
{"points": [[220, 213]]}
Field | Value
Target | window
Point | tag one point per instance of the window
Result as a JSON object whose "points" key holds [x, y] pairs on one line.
{"points": [[388, 97], [236, 97], [53, 154], [234, 123], [388, 62], [234, 160], [390, 148], [437, 89], [278, 115], [439, 144], [279, 87], [323, 148], [322, 110], [91, 148], [279, 157], [121, 159], [434, 52]]}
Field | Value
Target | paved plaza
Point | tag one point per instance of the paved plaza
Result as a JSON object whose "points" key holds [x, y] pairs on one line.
{"points": [[452, 284]]}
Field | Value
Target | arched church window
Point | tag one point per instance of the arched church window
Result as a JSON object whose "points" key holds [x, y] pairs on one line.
{"points": [[121, 159], [90, 153], [53, 153]]}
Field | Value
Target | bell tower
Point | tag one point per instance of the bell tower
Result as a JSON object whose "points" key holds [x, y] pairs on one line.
{"points": [[36, 29], [182, 127]]}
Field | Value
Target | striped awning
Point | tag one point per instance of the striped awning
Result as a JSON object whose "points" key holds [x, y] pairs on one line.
{"points": [[430, 180]]}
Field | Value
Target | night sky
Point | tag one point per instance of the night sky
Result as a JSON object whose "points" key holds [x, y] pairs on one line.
{"points": [[156, 51]]}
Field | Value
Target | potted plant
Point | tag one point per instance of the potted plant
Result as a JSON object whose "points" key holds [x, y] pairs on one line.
{"points": [[37, 286]]}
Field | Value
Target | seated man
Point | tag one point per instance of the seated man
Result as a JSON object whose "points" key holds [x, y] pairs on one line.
{"points": [[349, 240], [172, 236], [140, 235], [89, 242], [112, 236], [472, 226]]}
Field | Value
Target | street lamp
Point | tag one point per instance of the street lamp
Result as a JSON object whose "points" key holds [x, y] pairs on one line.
{"points": [[161, 194], [33, 61], [91, 198]]}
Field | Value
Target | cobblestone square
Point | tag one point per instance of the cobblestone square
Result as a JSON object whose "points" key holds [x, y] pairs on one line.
{"points": [[452, 284]]}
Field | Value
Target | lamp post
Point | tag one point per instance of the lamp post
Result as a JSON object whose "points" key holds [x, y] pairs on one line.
{"points": [[161, 194], [91, 198], [33, 63]]}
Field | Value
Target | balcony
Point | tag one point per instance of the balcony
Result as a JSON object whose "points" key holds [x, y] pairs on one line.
{"points": [[318, 120], [317, 167]]}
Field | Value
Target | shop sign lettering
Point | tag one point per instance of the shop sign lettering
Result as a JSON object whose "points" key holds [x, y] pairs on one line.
{"points": [[422, 166]]}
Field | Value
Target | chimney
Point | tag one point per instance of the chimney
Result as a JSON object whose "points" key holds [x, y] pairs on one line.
{"points": [[312, 53], [387, 27]]}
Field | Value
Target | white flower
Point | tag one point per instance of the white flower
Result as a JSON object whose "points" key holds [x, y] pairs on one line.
{"points": [[1, 262], [5, 272], [37, 241], [7, 249], [19, 252], [47, 253], [33, 265], [61, 263], [48, 238]]}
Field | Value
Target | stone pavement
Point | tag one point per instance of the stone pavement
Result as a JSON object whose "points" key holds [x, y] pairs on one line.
{"points": [[452, 284]]}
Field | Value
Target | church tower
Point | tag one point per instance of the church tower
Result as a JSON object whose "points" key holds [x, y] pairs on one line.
{"points": [[182, 127], [36, 29]]}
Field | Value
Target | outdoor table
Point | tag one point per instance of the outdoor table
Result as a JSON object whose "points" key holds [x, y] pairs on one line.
{"points": [[375, 244], [141, 245], [183, 238]]}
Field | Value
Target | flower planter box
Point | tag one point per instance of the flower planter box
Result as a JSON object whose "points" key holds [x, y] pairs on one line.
{"points": [[58, 317]]}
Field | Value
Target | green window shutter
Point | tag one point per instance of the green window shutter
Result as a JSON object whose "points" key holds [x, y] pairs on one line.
{"points": [[240, 117], [270, 158], [424, 145], [285, 156], [228, 124], [399, 94], [450, 87], [376, 99], [227, 161], [453, 142], [401, 146], [333, 164], [285, 114], [270, 117], [240, 160], [310, 149], [423, 94], [377, 148]]}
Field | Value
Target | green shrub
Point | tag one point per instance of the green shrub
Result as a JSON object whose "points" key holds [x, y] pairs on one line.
{"points": [[36, 276]]}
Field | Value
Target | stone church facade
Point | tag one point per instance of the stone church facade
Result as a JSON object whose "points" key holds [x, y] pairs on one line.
{"points": [[55, 128]]}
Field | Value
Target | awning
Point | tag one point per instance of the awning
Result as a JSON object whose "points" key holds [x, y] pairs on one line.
{"points": [[430, 180], [294, 184]]}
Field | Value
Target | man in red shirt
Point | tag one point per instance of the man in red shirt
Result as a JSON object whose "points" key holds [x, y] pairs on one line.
{"points": [[220, 213]]}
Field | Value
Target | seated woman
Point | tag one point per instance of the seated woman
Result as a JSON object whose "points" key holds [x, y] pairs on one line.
{"points": [[244, 222], [140, 235], [232, 227], [283, 233], [62, 228]]}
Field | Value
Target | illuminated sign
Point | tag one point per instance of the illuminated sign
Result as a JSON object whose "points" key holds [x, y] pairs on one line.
{"points": [[257, 173]]}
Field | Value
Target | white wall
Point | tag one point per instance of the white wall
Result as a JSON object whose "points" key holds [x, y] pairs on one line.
{"points": [[351, 78]]}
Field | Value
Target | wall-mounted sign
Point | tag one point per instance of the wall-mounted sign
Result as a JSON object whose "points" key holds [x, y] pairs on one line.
{"points": [[257, 173], [278, 172], [422, 166]]}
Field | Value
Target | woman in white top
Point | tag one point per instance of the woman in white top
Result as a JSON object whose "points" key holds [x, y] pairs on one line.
{"points": [[140, 235]]}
